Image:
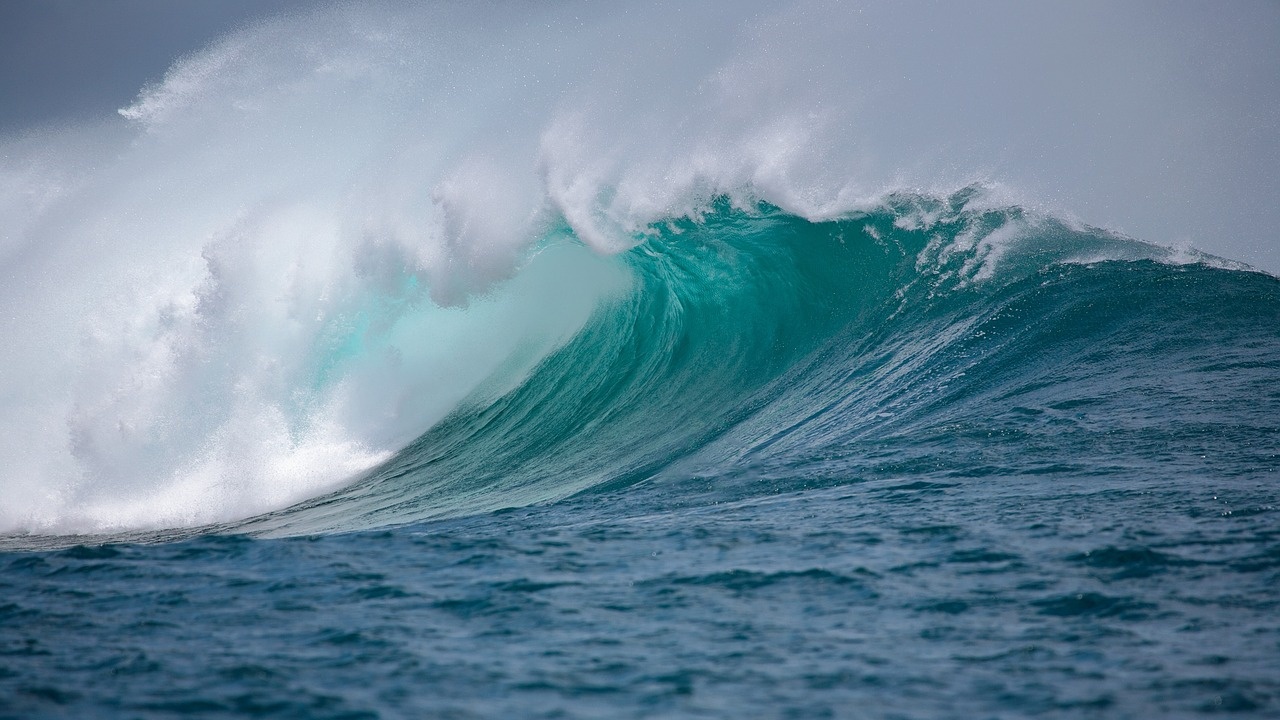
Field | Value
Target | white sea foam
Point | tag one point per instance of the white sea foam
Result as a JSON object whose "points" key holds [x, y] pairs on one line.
{"points": [[311, 240]]}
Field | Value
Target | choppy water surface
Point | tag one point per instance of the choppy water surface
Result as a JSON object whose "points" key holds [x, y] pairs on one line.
{"points": [[928, 596]]}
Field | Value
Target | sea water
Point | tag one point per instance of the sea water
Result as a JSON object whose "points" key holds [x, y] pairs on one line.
{"points": [[354, 415]]}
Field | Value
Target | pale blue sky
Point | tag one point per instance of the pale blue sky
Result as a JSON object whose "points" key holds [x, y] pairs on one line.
{"points": [[81, 59]]}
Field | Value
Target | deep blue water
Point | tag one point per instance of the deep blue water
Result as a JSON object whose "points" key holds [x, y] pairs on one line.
{"points": [[931, 460]]}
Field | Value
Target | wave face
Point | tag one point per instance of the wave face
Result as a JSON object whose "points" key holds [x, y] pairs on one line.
{"points": [[757, 351], [355, 268]]}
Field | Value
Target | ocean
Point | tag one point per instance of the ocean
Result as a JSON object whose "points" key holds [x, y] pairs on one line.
{"points": [[305, 419]]}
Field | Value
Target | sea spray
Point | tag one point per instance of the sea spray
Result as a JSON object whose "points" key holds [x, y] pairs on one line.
{"points": [[316, 238]]}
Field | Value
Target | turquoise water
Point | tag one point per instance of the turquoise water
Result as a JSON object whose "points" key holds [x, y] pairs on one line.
{"points": [[936, 458]]}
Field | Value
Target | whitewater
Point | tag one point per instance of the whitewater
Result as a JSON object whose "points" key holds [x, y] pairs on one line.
{"points": [[568, 361]]}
